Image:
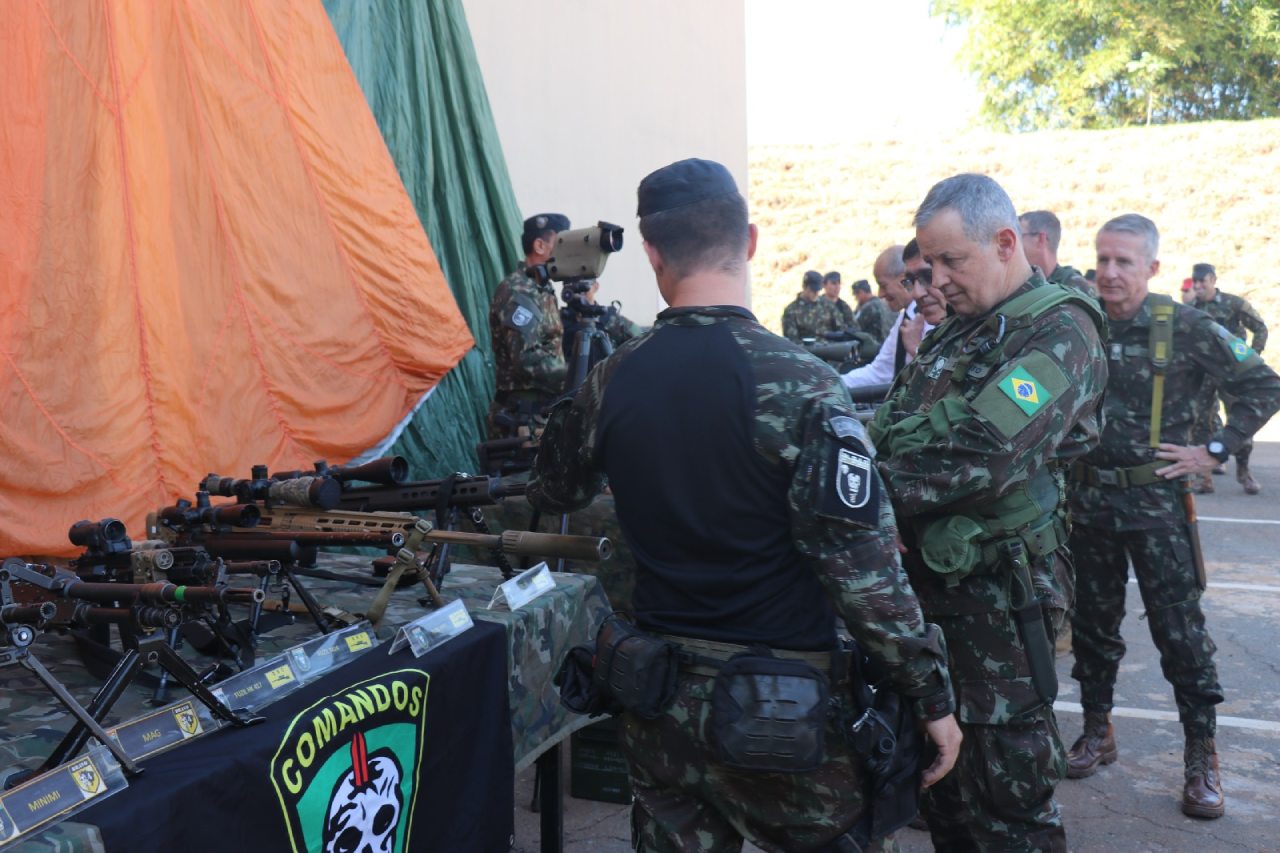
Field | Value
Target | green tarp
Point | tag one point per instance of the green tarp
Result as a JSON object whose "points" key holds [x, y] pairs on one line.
{"points": [[418, 69]]}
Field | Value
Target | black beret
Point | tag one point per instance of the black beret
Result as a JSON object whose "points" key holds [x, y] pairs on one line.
{"points": [[832, 276], [1200, 272], [681, 184], [863, 285], [813, 280], [536, 226]]}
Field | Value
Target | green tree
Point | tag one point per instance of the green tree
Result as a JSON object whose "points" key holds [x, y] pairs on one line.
{"points": [[1111, 63]]}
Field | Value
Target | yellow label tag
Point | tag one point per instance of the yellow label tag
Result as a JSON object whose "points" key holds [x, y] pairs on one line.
{"points": [[279, 676], [356, 642]]}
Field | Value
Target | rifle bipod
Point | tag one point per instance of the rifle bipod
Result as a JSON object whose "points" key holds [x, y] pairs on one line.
{"points": [[89, 720]]}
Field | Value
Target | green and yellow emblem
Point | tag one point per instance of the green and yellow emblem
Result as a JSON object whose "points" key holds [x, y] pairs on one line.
{"points": [[1240, 349], [1023, 389]]}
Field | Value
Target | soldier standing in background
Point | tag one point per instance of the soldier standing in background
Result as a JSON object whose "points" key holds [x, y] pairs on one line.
{"points": [[1130, 503], [729, 452], [1041, 235], [873, 314], [527, 335], [1236, 315], [974, 438], [831, 293], [810, 315]]}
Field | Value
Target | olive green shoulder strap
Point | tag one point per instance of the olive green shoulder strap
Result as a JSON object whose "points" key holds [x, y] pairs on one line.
{"points": [[1161, 345]]}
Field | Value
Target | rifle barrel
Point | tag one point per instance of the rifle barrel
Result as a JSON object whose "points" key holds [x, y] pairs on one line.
{"points": [[527, 544]]}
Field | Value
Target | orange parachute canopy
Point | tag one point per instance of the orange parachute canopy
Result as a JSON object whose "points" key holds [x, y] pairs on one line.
{"points": [[207, 258]]}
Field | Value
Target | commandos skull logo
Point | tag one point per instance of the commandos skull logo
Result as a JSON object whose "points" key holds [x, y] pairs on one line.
{"points": [[853, 479], [346, 767]]}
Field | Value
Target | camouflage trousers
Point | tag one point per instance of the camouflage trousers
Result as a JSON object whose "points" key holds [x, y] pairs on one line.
{"points": [[1000, 794], [685, 800], [1165, 571], [1212, 423]]}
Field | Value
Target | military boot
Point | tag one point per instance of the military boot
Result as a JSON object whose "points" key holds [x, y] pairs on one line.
{"points": [[1244, 478], [1097, 746], [1202, 793]]}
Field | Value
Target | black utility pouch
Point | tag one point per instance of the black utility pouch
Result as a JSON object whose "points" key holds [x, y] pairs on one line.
{"points": [[578, 690], [636, 669], [769, 714]]}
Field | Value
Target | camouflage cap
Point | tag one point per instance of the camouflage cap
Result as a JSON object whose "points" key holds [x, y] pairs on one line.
{"points": [[832, 276], [681, 184], [813, 280], [539, 224], [862, 285]]}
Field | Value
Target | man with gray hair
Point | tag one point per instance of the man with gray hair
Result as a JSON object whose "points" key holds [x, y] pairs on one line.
{"points": [[974, 439], [1128, 509], [1041, 234], [894, 352]]}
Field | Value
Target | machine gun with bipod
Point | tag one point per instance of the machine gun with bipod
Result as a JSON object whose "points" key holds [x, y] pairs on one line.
{"points": [[36, 598]]}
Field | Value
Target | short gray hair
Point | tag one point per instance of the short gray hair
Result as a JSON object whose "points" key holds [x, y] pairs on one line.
{"points": [[982, 204], [1138, 225], [1043, 222]]}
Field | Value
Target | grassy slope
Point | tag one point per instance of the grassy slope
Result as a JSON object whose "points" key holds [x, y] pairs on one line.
{"points": [[1213, 190]]}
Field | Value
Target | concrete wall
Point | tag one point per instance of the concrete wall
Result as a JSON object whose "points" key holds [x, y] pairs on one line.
{"points": [[591, 96]]}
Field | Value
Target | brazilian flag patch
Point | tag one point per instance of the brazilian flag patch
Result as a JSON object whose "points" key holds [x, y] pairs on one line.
{"points": [[1240, 349], [1022, 388]]}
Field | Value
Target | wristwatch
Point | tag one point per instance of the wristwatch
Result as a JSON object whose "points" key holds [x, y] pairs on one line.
{"points": [[1217, 450]]}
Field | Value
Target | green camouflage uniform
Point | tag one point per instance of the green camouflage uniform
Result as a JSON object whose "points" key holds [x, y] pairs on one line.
{"points": [[686, 799], [844, 314], [875, 319], [1144, 521], [804, 319], [1071, 277], [524, 322], [1236, 315], [974, 438]]}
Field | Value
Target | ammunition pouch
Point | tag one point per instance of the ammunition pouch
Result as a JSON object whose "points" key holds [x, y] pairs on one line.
{"points": [[956, 546], [769, 714], [635, 669]]}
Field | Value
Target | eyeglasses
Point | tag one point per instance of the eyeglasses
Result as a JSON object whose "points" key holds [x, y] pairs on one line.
{"points": [[925, 277]]}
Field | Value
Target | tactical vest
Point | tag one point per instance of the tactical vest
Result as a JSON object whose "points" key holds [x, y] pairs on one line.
{"points": [[1034, 511]]}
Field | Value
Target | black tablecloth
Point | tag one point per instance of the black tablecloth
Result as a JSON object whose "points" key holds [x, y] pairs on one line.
{"points": [[285, 783]]}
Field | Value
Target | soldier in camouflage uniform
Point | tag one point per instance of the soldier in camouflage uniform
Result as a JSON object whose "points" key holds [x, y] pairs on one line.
{"points": [[1041, 234], [810, 316], [831, 293], [1236, 315], [874, 316], [974, 437], [745, 487], [524, 322], [1129, 502]]}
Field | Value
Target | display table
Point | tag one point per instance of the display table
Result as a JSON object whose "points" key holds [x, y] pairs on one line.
{"points": [[245, 789]]}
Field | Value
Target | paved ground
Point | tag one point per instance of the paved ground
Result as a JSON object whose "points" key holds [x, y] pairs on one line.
{"points": [[1133, 804]]}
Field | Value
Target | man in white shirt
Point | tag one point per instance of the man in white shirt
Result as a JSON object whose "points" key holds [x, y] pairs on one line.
{"points": [[899, 346]]}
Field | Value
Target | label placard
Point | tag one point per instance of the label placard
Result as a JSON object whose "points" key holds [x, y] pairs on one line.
{"points": [[434, 629], [524, 587], [59, 793], [315, 657], [258, 687], [161, 729]]}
